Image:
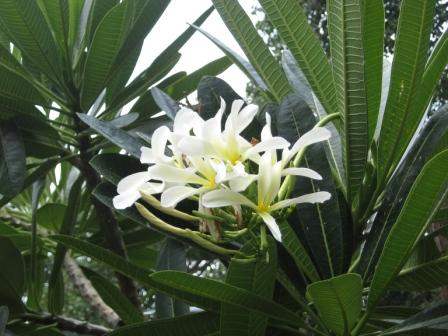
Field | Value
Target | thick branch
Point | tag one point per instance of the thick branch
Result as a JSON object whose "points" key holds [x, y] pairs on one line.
{"points": [[89, 293], [108, 223], [67, 324]]}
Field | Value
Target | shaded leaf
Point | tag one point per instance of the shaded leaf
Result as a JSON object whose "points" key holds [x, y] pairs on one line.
{"points": [[197, 324], [115, 135], [12, 163], [338, 301], [12, 275], [425, 197]]}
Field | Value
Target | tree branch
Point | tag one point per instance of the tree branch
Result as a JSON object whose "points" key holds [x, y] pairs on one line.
{"points": [[67, 324], [108, 223], [89, 293]]}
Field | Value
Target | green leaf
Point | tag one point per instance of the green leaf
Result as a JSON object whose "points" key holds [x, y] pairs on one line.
{"points": [[99, 9], [55, 302], [125, 267], [321, 225], [425, 197], [180, 285], [156, 71], [398, 188], [302, 88], [245, 66], [12, 160], [373, 43], [41, 140], [113, 167], [253, 46], [423, 277], [430, 79], [298, 252], [107, 41], [12, 275], [197, 324], [38, 173], [165, 102], [256, 276], [338, 301], [115, 135], [34, 292], [27, 27], [15, 87], [411, 48], [210, 91], [113, 297], [172, 256], [180, 88], [289, 19], [57, 15], [346, 47], [431, 317]]}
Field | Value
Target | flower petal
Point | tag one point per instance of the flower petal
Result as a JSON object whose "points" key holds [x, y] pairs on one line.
{"points": [[171, 196], [306, 172], [266, 132], [270, 144], [192, 145], [272, 225], [232, 119], [125, 200], [153, 187], [221, 198], [240, 183], [133, 182], [317, 197], [169, 173], [245, 117], [317, 134]]}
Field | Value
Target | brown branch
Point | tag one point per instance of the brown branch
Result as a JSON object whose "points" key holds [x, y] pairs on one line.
{"points": [[67, 324], [89, 293], [108, 223]]}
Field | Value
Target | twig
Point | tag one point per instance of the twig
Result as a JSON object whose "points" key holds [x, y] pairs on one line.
{"points": [[67, 324]]}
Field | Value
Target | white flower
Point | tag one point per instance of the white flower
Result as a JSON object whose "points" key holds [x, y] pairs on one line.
{"points": [[228, 144], [268, 185], [128, 189], [203, 174]]}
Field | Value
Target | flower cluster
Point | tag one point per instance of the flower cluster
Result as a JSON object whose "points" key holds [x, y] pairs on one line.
{"points": [[201, 159]]}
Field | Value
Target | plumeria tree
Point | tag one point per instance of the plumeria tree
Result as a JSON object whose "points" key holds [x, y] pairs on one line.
{"points": [[318, 202]]}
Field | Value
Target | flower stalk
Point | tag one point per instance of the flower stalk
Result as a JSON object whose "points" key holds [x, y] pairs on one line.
{"points": [[196, 237]]}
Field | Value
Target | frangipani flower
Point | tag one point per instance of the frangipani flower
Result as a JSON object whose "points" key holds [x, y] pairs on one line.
{"points": [[268, 185], [228, 145], [202, 175], [128, 189]]}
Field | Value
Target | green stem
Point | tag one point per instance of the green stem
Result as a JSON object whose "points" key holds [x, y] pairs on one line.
{"points": [[155, 203], [186, 233], [288, 183]]}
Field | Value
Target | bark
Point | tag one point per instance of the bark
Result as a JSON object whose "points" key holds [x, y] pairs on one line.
{"points": [[88, 292], [108, 223], [67, 324]]}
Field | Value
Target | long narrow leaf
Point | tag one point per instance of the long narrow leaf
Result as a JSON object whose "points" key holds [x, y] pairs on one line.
{"points": [[292, 24], [423, 277], [423, 201], [26, 24], [411, 48], [373, 44], [346, 46], [252, 44], [198, 324]]}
